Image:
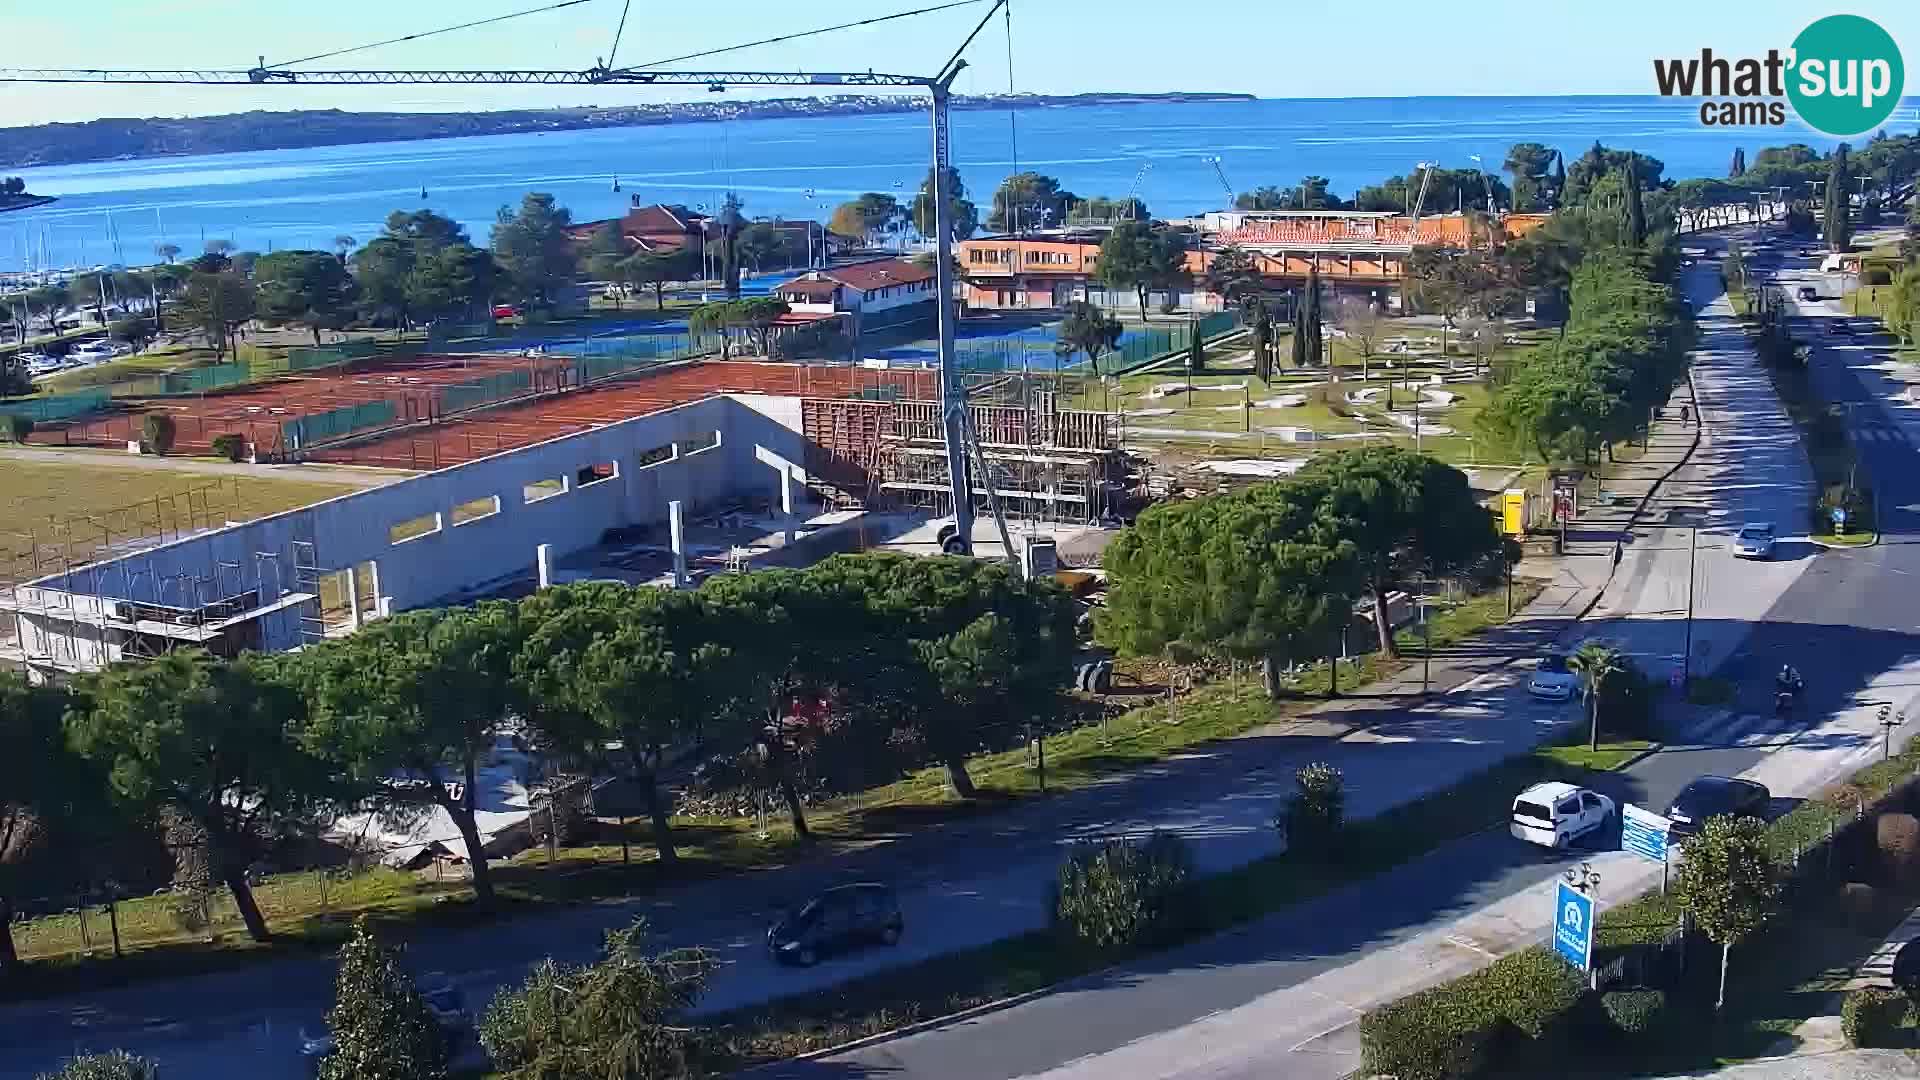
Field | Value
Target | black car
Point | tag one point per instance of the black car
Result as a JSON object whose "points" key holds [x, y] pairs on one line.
{"points": [[1711, 796], [1805, 292], [1840, 327], [839, 919]]}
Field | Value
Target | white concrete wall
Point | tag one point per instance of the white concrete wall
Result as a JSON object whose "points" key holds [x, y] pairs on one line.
{"points": [[419, 572]]}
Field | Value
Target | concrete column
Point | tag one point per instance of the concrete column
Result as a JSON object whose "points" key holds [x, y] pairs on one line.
{"points": [[676, 530], [353, 599], [786, 503], [543, 563]]}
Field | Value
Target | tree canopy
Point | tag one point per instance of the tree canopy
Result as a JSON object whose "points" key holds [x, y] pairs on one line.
{"points": [[304, 288], [1088, 330], [536, 257], [1028, 200], [964, 216]]}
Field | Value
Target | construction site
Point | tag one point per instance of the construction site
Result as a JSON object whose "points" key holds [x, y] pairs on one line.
{"points": [[733, 464]]}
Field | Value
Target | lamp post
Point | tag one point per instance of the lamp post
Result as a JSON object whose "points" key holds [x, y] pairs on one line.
{"points": [[1686, 658]]}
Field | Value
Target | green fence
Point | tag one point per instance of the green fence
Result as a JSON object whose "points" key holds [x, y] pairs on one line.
{"points": [[441, 333], [485, 390], [194, 381], [335, 423], [306, 359], [59, 406]]}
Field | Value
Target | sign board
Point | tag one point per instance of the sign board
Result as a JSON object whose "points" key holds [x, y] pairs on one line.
{"points": [[1513, 511], [1573, 925], [1839, 517], [1644, 833]]}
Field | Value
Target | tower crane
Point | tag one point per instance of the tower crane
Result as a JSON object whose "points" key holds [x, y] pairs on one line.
{"points": [[956, 420], [1134, 190], [1214, 160]]}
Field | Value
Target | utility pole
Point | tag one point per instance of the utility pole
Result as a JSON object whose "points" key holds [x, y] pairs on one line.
{"points": [[1686, 659]]}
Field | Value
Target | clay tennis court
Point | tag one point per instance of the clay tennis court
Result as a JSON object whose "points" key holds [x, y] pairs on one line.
{"points": [[258, 411], [510, 427]]}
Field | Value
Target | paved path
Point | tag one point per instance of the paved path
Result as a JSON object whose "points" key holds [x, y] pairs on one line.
{"points": [[1278, 998], [346, 475], [1834, 1065]]}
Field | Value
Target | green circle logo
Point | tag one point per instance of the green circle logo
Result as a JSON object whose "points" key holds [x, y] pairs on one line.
{"points": [[1846, 75]]}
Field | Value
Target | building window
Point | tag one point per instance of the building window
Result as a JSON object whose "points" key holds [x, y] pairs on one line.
{"points": [[544, 489], [659, 455], [703, 447], [597, 473], [475, 510], [413, 528]]}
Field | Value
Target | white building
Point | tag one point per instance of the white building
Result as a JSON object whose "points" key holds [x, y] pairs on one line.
{"points": [[878, 294]]}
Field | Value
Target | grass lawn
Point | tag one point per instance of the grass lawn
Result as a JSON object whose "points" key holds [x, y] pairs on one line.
{"points": [[77, 500], [312, 910], [1040, 959]]}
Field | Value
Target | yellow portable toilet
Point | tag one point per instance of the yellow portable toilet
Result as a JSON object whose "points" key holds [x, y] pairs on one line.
{"points": [[1513, 511]]}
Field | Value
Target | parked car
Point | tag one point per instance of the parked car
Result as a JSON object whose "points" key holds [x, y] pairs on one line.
{"points": [[1805, 292], [1839, 328], [1555, 814], [1754, 541], [1553, 679], [837, 920], [1712, 796], [505, 311]]}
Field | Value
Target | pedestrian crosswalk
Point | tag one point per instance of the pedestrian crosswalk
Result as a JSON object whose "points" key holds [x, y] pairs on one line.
{"points": [[1728, 729], [1880, 434]]}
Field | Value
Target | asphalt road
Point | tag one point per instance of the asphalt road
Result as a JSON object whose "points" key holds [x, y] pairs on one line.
{"points": [[1220, 1008]]}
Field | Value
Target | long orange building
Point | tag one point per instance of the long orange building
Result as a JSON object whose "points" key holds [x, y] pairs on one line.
{"points": [[1351, 250]]}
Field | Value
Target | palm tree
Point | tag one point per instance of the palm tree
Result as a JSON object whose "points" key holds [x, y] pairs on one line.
{"points": [[1597, 662]]}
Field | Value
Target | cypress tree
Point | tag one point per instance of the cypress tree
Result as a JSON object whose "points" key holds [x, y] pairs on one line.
{"points": [[1834, 218], [1299, 332], [1739, 166], [381, 1027], [1636, 213]]}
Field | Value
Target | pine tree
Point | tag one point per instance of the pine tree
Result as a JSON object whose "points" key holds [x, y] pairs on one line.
{"points": [[1739, 166], [381, 1027]]}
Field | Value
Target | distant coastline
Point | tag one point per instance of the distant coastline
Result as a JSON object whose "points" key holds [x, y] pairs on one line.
{"points": [[24, 202], [121, 139]]}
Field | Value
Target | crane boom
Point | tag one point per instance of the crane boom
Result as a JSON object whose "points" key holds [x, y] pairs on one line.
{"points": [[511, 76]]}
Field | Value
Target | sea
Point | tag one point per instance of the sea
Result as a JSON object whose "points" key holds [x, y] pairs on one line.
{"points": [[1181, 158]]}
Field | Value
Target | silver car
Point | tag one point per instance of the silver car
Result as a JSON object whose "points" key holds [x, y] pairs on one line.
{"points": [[1754, 541]]}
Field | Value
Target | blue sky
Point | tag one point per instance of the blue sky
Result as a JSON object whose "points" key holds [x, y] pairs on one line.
{"points": [[1266, 47]]}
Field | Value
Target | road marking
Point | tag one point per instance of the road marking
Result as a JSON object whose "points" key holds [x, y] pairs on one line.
{"points": [[1465, 943], [1317, 1036]]}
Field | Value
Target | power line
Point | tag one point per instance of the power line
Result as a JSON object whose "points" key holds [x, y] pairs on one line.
{"points": [[811, 33], [431, 33]]}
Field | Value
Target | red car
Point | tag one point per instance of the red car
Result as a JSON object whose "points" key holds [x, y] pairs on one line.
{"points": [[505, 311]]}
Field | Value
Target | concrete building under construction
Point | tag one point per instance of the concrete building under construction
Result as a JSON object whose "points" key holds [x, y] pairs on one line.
{"points": [[722, 477]]}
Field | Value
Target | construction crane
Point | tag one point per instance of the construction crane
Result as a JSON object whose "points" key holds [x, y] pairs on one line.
{"points": [[1214, 160], [1425, 168], [1134, 190], [956, 420]]}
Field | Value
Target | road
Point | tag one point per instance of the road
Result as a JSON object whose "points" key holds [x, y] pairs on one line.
{"points": [[1279, 998]]}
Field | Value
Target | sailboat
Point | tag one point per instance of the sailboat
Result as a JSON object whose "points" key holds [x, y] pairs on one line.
{"points": [[616, 183], [423, 191]]}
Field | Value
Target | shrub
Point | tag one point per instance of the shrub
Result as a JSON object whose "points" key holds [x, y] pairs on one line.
{"points": [[1871, 1016], [231, 446], [381, 1027], [16, 427], [156, 432], [614, 1018], [1454, 1030], [1314, 813], [1117, 893], [112, 1065], [1634, 1013], [1898, 838]]}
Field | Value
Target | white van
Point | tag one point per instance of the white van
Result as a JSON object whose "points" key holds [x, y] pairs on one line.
{"points": [[1555, 814]]}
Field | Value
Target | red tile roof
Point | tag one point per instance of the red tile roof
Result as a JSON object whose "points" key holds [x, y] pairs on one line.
{"points": [[878, 274]]}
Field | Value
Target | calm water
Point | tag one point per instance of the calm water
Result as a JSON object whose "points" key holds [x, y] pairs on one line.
{"points": [[304, 198]]}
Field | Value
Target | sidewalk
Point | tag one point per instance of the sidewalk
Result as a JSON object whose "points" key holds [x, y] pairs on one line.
{"points": [[1821, 1034]]}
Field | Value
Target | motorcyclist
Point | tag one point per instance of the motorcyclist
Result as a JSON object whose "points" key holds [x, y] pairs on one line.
{"points": [[1788, 681]]}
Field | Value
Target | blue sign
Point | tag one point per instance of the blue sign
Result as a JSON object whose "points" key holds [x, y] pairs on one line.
{"points": [[1839, 515], [1573, 926], [1644, 833]]}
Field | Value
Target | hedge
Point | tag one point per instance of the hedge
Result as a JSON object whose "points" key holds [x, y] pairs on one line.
{"points": [[231, 446], [1120, 893], [1454, 1030], [1872, 1016], [1634, 1013]]}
